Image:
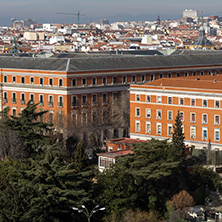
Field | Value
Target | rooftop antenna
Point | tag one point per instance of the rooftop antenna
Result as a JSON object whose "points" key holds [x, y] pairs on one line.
{"points": [[78, 15]]}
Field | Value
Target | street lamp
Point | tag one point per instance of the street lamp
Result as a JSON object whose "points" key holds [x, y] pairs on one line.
{"points": [[86, 212]]}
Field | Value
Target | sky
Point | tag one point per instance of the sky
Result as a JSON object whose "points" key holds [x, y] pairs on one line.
{"points": [[45, 11]]}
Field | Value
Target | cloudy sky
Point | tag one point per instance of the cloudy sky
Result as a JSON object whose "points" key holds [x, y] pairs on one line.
{"points": [[45, 10]]}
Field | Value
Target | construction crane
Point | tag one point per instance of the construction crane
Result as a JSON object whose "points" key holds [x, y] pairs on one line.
{"points": [[78, 14]]}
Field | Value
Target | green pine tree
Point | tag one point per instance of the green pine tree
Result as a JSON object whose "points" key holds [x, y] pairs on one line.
{"points": [[80, 157], [32, 132], [142, 181], [178, 140]]}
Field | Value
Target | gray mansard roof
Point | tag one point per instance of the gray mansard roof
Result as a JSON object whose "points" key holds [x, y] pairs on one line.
{"points": [[117, 62]]}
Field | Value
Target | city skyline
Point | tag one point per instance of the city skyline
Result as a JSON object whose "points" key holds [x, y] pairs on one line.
{"points": [[46, 11]]}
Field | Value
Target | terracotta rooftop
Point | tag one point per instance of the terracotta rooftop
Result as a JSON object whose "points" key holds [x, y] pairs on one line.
{"points": [[125, 141], [114, 154], [194, 82]]}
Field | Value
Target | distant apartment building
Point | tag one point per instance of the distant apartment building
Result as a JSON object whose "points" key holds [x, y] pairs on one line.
{"points": [[190, 13], [91, 92], [198, 100]]}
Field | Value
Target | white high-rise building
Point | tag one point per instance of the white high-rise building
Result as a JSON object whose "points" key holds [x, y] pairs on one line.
{"points": [[190, 13]]}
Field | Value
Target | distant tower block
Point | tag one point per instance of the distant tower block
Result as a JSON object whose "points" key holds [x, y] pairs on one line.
{"points": [[190, 13], [158, 20], [104, 22]]}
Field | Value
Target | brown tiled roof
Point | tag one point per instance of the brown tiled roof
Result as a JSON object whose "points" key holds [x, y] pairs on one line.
{"points": [[193, 82], [114, 154]]}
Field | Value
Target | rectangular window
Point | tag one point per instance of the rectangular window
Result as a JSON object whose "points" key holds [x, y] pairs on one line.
{"points": [[84, 100], [124, 79], [204, 118], [152, 77], [104, 98], [115, 97], [94, 99], [192, 132], [201, 73], [181, 101], [216, 120], [50, 82], [74, 101], [14, 112], [178, 74], [158, 99], [41, 100], [23, 80], [137, 112], [169, 129], [217, 135], [60, 82], [84, 119], [170, 100], [148, 113], [14, 79], [134, 79], [31, 80], [169, 75], [193, 102], [50, 101], [94, 80], [23, 98], [104, 81], [158, 114], [5, 79], [204, 133], [204, 103], [170, 115], [161, 75], [5, 97], [143, 78], [182, 116], [94, 116], [148, 99], [60, 101], [148, 127], [186, 74], [13, 97], [158, 128], [32, 97], [193, 118], [73, 82], [114, 80], [41, 81], [217, 104], [83, 81], [137, 127], [194, 73], [137, 97]]}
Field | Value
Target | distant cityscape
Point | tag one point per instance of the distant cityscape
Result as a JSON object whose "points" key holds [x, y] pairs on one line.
{"points": [[31, 37]]}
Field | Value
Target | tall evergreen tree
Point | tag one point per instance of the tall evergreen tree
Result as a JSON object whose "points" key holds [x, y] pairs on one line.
{"points": [[80, 157], [45, 190], [178, 140], [144, 180], [32, 132]]}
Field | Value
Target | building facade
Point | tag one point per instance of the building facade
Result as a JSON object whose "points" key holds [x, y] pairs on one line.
{"points": [[198, 100], [91, 92]]}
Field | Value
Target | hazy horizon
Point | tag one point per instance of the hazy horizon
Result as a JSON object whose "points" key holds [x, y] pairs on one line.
{"points": [[116, 10]]}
